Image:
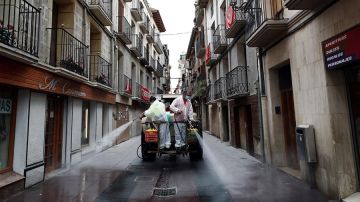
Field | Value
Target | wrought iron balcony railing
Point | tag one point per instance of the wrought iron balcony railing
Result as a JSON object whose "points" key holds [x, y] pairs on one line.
{"points": [[152, 64], [136, 91], [102, 10], [20, 25], [220, 89], [219, 39], [125, 85], [144, 59], [200, 45], [265, 24], [136, 10], [238, 23], [158, 45], [210, 94], [100, 70], [125, 31], [137, 45], [68, 52], [210, 56], [159, 91], [159, 69], [145, 23], [237, 82], [199, 15], [151, 35]]}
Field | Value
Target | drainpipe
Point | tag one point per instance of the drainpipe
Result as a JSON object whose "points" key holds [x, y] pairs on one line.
{"points": [[259, 92]]}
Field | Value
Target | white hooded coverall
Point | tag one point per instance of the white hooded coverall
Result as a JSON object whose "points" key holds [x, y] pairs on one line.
{"points": [[157, 112], [185, 115]]}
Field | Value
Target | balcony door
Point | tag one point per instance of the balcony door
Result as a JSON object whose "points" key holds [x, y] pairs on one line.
{"points": [[120, 17], [53, 35], [53, 133]]}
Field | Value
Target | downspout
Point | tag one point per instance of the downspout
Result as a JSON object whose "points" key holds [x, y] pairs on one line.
{"points": [[260, 89]]}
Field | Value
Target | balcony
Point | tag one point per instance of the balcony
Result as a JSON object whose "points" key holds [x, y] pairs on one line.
{"points": [[220, 89], [145, 23], [20, 26], [158, 45], [210, 94], [151, 35], [125, 85], [264, 30], [237, 82], [202, 3], [219, 40], [68, 52], [200, 45], [144, 59], [152, 64], [199, 16], [100, 70], [140, 93], [136, 45], [238, 23], [136, 10], [102, 9], [159, 91], [124, 33], [210, 57], [305, 4], [159, 71]]}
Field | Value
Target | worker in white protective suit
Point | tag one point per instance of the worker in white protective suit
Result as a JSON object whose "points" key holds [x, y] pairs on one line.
{"points": [[183, 110], [157, 113]]}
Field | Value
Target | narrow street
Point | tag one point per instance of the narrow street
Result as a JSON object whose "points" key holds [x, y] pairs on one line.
{"points": [[117, 174]]}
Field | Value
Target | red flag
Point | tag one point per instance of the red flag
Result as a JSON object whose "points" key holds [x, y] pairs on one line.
{"points": [[230, 17], [208, 54], [128, 86], [145, 94]]}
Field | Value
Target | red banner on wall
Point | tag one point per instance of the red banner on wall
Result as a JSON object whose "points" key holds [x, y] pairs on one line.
{"points": [[145, 94], [230, 17]]}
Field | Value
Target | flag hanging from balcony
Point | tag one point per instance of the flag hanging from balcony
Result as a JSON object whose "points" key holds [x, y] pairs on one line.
{"points": [[145, 94], [128, 87], [230, 17]]}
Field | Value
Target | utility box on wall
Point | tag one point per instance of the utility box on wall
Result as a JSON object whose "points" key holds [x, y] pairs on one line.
{"points": [[305, 142]]}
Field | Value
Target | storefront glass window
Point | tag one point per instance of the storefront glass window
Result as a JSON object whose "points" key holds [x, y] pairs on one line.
{"points": [[6, 104], [85, 123]]}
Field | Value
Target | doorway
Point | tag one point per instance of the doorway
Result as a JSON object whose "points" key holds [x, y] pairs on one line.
{"points": [[353, 88], [237, 127], [288, 116], [53, 133], [247, 139]]}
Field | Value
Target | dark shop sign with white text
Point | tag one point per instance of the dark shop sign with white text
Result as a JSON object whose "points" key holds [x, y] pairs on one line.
{"points": [[342, 49]]}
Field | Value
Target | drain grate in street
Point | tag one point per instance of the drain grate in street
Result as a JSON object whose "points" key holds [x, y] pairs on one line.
{"points": [[144, 179], [164, 192]]}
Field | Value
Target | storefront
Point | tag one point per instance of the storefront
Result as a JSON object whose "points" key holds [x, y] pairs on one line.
{"points": [[37, 108], [342, 52]]}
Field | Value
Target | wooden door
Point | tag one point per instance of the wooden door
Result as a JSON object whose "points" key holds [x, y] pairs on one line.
{"points": [[248, 130], [289, 123], [53, 133], [237, 127]]}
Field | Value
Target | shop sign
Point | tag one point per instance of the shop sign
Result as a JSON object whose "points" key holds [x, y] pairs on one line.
{"points": [[5, 106], [57, 84], [342, 49], [230, 17], [145, 94]]}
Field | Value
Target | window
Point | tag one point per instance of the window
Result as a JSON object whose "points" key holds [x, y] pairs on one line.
{"points": [[85, 125], [211, 9], [7, 116]]}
